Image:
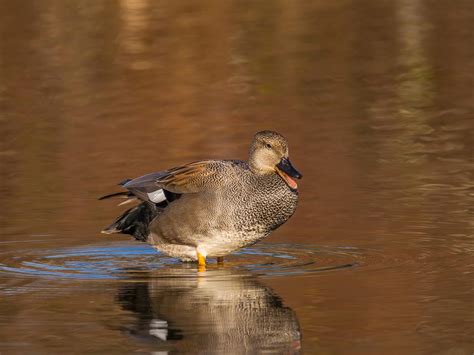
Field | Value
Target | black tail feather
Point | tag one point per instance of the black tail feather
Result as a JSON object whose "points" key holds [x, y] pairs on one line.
{"points": [[135, 221], [125, 194]]}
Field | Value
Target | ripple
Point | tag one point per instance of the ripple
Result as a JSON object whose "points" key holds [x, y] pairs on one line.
{"points": [[138, 261]]}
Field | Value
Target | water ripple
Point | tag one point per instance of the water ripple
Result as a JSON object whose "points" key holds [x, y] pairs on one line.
{"points": [[135, 261]]}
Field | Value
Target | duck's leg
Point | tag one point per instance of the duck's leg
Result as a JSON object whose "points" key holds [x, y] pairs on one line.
{"points": [[220, 260], [201, 260]]}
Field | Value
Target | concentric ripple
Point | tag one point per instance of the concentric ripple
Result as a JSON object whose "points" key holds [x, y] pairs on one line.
{"points": [[132, 261]]}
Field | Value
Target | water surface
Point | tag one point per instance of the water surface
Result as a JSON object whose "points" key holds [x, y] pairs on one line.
{"points": [[376, 100]]}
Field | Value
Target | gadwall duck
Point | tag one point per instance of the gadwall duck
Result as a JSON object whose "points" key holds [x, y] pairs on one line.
{"points": [[212, 208]]}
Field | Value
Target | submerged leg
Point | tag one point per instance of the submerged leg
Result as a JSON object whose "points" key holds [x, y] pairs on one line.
{"points": [[220, 260]]}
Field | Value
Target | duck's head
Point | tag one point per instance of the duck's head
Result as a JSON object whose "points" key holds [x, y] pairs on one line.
{"points": [[269, 155]]}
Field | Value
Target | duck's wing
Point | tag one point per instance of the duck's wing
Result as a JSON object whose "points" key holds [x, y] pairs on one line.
{"points": [[190, 178], [168, 185]]}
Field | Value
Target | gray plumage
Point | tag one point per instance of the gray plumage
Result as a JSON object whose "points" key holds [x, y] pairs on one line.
{"points": [[214, 207]]}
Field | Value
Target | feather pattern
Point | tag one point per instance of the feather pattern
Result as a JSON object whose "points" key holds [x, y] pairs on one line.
{"points": [[183, 179], [213, 207]]}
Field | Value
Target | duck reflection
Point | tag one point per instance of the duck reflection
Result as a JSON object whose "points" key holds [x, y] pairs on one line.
{"points": [[219, 311]]}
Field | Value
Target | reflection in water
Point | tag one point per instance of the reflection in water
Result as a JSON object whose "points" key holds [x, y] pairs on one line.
{"points": [[135, 21], [220, 311]]}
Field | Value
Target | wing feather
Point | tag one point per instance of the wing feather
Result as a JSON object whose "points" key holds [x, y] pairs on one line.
{"points": [[194, 177]]}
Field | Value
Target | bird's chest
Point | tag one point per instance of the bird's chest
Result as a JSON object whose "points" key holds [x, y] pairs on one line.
{"points": [[266, 209]]}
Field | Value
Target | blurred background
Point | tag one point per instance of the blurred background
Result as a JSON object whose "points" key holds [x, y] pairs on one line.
{"points": [[375, 97]]}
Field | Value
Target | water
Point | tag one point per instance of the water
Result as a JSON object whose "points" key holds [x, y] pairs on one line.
{"points": [[376, 100]]}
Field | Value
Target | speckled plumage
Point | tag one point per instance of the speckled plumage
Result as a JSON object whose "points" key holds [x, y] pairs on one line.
{"points": [[219, 206]]}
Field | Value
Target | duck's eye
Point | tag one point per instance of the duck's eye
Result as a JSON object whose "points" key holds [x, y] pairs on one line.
{"points": [[268, 145]]}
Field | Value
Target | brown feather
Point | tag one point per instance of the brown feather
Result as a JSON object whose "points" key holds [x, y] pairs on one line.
{"points": [[187, 178]]}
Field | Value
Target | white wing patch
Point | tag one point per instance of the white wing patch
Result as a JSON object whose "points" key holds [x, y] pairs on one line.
{"points": [[159, 328], [157, 196]]}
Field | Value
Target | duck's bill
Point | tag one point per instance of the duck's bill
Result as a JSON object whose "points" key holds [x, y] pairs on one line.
{"points": [[288, 173]]}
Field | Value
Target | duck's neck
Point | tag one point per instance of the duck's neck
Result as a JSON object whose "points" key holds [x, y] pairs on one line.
{"points": [[258, 170]]}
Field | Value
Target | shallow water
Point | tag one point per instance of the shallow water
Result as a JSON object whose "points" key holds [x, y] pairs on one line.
{"points": [[376, 100]]}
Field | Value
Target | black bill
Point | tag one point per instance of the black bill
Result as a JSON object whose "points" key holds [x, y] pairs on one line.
{"points": [[285, 166]]}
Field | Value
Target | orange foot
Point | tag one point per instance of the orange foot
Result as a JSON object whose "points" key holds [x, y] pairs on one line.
{"points": [[201, 262]]}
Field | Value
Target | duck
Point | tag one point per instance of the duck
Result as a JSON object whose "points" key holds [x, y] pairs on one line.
{"points": [[211, 208]]}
